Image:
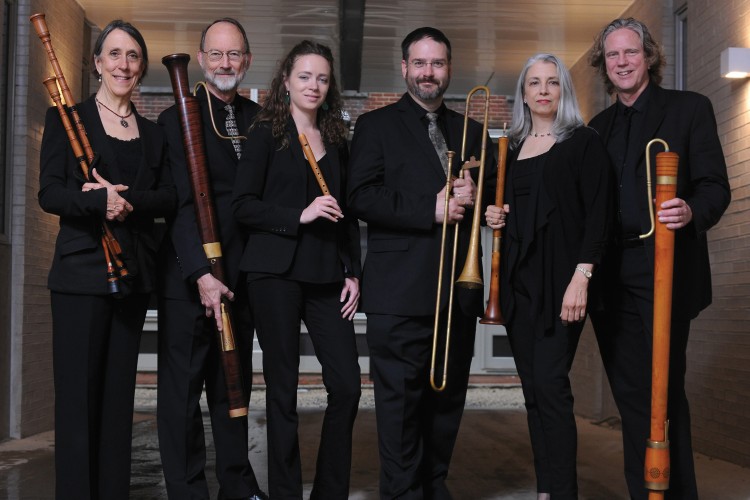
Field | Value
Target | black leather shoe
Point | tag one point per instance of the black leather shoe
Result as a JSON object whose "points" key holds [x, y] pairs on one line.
{"points": [[256, 496]]}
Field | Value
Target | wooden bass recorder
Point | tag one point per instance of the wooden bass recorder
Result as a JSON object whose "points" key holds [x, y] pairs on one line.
{"points": [[657, 462], [189, 110]]}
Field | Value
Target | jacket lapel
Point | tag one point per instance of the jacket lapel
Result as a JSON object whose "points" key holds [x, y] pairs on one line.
{"points": [[106, 166], [150, 158], [455, 127], [655, 113], [298, 156], [609, 120]]}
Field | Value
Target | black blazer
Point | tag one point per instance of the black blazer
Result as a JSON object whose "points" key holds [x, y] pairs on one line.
{"points": [[270, 195], [182, 254], [685, 120], [78, 265], [567, 219], [394, 177]]}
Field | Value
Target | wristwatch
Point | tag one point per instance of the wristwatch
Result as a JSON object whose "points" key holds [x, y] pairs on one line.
{"points": [[585, 272]]}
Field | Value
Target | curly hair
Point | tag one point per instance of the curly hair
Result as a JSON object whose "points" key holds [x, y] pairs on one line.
{"points": [[276, 111], [654, 56]]}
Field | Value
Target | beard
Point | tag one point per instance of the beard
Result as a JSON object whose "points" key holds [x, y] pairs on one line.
{"points": [[222, 82], [413, 84]]}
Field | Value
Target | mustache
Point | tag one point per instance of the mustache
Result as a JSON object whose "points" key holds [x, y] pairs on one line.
{"points": [[224, 72], [428, 79]]}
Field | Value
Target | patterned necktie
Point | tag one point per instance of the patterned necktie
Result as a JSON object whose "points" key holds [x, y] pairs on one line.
{"points": [[436, 136], [231, 125]]}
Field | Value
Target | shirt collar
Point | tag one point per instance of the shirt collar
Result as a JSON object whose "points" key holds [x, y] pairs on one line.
{"points": [[640, 104], [421, 112]]}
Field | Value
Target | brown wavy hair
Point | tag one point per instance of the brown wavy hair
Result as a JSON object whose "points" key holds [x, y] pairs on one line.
{"points": [[275, 110], [652, 50]]}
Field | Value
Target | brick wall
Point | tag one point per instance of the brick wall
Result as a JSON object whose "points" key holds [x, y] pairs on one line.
{"points": [[719, 349], [33, 231], [151, 102]]}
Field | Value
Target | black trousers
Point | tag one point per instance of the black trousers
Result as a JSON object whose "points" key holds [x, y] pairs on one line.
{"points": [[417, 427], [188, 359], [95, 356], [543, 360], [624, 331], [278, 305]]}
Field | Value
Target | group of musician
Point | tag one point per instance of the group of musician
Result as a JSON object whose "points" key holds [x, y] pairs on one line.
{"points": [[571, 218]]}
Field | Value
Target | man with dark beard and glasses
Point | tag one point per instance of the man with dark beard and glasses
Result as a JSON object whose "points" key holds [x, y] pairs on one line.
{"points": [[397, 178], [190, 296]]}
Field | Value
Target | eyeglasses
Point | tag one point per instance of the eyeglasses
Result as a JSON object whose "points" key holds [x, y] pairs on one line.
{"points": [[437, 64], [116, 55], [218, 55]]}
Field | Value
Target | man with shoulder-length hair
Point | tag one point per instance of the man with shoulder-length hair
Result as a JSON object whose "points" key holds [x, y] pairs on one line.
{"points": [[397, 185], [190, 296], [630, 62]]}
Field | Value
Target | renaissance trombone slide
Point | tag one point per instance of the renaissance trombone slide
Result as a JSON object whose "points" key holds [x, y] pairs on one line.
{"points": [[657, 463], [471, 275]]}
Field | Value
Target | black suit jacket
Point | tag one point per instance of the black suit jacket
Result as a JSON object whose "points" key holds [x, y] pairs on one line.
{"points": [[182, 255], [394, 177], [685, 120], [566, 222], [270, 195], [79, 264]]}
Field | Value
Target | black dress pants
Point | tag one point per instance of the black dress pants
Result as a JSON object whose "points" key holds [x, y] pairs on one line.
{"points": [[278, 305], [188, 359], [417, 427], [543, 363], [95, 357], [624, 331]]}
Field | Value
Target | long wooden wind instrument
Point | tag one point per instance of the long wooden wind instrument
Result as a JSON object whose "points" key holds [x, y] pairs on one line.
{"points": [[493, 315], [84, 154], [657, 465], [189, 110]]}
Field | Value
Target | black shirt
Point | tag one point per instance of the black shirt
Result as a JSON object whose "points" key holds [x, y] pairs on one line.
{"points": [[129, 156], [622, 144]]}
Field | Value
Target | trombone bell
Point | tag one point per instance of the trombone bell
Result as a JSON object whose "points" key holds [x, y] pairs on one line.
{"points": [[471, 275]]}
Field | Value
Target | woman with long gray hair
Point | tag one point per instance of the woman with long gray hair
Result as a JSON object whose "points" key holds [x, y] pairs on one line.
{"points": [[555, 231]]}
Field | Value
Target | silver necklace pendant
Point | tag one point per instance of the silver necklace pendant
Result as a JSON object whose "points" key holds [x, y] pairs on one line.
{"points": [[124, 123]]}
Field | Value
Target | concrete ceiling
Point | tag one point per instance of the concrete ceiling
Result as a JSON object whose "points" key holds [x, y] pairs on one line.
{"points": [[491, 38]]}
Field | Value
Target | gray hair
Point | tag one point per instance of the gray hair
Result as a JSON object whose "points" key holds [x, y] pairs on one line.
{"points": [[568, 114]]}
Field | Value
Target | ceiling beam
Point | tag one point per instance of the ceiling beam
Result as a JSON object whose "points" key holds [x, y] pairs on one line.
{"points": [[351, 28]]}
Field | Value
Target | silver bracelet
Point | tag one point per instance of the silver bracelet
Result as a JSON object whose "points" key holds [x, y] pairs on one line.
{"points": [[585, 272]]}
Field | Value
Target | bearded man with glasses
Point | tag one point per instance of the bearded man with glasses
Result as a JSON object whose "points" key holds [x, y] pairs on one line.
{"points": [[397, 180], [190, 296]]}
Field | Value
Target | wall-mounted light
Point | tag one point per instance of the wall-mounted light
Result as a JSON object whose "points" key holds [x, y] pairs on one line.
{"points": [[735, 62]]}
